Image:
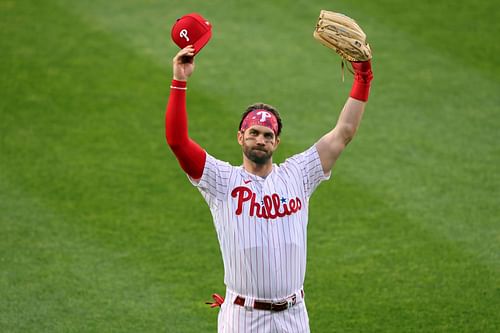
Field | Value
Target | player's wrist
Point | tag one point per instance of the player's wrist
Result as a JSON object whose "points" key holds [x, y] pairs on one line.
{"points": [[179, 78], [363, 76], [361, 66]]}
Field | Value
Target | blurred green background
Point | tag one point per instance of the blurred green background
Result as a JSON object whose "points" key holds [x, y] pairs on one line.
{"points": [[100, 231]]}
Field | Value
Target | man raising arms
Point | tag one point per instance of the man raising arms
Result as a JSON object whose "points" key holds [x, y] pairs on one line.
{"points": [[260, 209]]}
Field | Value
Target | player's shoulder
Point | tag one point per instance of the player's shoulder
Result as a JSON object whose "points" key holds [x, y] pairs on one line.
{"points": [[216, 165], [215, 161], [304, 156]]}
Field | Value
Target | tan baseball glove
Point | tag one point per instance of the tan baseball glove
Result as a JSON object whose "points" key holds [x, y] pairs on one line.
{"points": [[343, 35]]}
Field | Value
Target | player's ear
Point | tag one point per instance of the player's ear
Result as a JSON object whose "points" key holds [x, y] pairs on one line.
{"points": [[276, 142], [239, 137]]}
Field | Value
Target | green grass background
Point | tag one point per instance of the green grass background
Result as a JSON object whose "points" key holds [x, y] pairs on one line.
{"points": [[100, 231]]}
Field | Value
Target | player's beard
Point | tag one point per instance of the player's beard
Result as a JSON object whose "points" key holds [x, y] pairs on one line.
{"points": [[257, 155]]}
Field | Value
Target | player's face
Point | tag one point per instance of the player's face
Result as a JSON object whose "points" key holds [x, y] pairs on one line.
{"points": [[258, 143]]}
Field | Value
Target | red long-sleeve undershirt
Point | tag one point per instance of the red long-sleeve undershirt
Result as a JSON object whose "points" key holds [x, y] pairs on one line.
{"points": [[190, 155]]}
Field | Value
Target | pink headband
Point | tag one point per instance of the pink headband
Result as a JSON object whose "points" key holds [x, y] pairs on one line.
{"points": [[260, 117]]}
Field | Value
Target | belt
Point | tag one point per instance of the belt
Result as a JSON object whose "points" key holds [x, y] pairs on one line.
{"points": [[270, 306]]}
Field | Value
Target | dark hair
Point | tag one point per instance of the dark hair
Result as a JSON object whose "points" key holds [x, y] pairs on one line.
{"points": [[263, 106]]}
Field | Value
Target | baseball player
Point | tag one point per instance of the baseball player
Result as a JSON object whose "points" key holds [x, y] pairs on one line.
{"points": [[260, 209]]}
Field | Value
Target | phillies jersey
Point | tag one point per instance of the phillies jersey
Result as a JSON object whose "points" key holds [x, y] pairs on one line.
{"points": [[261, 223]]}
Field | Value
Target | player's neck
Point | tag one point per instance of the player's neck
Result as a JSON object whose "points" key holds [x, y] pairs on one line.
{"points": [[261, 170]]}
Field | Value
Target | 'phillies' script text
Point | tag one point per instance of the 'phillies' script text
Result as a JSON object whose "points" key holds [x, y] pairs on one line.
{"points": [[271, 206]]}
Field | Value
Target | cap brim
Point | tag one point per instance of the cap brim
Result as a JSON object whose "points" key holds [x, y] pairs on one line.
{"points": [[200, 43]]}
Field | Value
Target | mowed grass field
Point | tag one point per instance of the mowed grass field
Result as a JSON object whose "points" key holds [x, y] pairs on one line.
{"points": [[100, 231]]}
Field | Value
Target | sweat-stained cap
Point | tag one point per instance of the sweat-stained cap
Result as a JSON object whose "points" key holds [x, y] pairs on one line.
{"points": [[260, 117], [191, 29]]}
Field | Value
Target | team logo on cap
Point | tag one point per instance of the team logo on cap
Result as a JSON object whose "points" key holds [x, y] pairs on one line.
{"points": [[184, 34]]}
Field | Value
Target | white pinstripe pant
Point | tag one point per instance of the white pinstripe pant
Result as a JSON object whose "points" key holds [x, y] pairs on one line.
{"points": [[234, 318]]}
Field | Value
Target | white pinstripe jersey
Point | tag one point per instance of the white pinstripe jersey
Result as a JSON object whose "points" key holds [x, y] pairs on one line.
{"points": [[261, 223]]}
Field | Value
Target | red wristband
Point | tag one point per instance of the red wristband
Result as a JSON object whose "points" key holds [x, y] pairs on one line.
{"points": [[181, 85], [362, 77]]}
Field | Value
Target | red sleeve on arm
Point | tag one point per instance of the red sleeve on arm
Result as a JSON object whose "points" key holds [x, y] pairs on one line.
{"points": [[190, 155], [362, 77]]}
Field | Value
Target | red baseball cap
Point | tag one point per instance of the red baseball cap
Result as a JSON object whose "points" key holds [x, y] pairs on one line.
{"points": [[191, 29]]}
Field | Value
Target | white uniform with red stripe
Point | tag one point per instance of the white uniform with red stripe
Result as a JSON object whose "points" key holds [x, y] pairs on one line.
{"points": [[261, 225]]}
